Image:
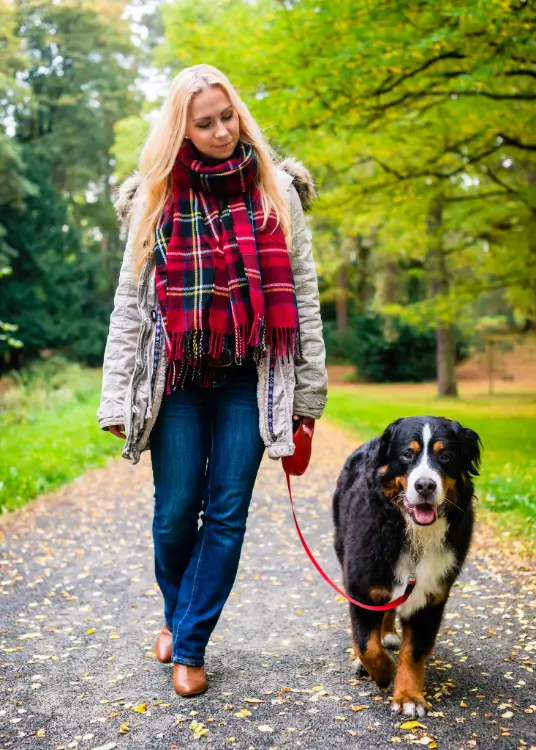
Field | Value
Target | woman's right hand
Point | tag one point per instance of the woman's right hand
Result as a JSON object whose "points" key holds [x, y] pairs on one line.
{"points": [[118, 430]]}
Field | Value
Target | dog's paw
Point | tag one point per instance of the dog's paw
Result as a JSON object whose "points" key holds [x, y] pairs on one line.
{"points": [[413, 705], [358, 667], [391, 640]]}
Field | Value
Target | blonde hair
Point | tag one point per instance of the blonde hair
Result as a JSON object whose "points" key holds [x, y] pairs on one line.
{"points": [[165, 139]]}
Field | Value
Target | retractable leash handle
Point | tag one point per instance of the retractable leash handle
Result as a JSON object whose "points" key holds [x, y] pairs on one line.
{"points": [[378, 608]]}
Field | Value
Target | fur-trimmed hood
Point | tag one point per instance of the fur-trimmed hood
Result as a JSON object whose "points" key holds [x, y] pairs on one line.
{"points": [[301, 179]]}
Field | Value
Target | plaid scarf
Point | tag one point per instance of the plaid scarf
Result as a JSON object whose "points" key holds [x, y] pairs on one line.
{"points": [[223, 281]]}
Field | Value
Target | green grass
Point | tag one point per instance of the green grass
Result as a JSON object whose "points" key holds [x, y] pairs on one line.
{"points": [[52, 442], [506, 425]]}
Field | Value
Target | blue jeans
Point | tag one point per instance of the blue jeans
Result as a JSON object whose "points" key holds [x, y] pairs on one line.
{"points": [[205, 451]]}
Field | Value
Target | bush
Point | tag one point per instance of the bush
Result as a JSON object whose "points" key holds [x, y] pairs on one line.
{"points": [[386, 349]]}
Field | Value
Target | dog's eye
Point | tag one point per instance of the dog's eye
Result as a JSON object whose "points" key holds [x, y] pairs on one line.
{"points": [[445, 457], [406, 457]]}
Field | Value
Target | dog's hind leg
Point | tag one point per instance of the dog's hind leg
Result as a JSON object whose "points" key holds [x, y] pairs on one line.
{"points": [[366, 629], [418, 637], [390, 638]]}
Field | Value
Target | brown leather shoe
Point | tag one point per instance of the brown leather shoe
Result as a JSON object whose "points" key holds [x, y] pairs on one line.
{"points": [[189, 681], [164, 645]]}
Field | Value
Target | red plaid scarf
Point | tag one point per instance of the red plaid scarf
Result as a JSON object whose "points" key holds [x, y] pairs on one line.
{"points": [[223, 282]]}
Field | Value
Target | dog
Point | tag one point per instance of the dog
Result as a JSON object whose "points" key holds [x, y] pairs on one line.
{"points": [[403, 507]]}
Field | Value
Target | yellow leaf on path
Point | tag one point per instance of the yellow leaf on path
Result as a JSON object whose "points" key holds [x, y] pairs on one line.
{"points": [[124, 727], [253, 700], [141, 709], [40, 733], [432, 745], [358, 708], [412, 725], [90, 631], [242, 713], [317, 688]]}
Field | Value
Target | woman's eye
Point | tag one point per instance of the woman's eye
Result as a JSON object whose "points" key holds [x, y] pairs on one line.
{"points": [[228, 117], [204, 127]]}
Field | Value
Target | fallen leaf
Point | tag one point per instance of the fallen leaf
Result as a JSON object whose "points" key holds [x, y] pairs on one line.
{"points": [[507, 715], [40, 733], [265, 728], [412, 725], [358, 708], [124, 727], [253, 700], [242, 713], [141, 709]]}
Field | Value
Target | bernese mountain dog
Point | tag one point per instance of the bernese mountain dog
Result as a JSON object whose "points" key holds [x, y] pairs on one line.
{"points": [[403, 508]]}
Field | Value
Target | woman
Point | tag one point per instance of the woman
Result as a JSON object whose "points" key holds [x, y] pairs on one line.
{"points": [[215, 342]]}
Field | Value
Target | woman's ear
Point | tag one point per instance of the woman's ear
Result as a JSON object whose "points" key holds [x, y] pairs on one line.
{"points": [[472, 446]]}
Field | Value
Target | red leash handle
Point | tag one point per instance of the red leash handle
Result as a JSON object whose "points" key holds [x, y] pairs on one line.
{"points": [[379, 608]]}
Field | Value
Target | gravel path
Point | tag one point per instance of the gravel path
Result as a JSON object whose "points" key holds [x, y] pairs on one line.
{"points": [[79, 612]]}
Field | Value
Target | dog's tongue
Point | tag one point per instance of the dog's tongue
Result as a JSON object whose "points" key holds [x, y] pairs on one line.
{"points": [[425, 513]]}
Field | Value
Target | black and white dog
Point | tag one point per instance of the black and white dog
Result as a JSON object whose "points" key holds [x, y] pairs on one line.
{"points": [[403, 507]]}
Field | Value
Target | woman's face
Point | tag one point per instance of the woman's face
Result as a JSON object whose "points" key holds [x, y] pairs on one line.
{"points": [[212, 123]]}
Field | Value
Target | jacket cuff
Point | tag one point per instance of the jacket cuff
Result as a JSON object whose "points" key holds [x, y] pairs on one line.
{"points": [[308, 407], [106, 422]]}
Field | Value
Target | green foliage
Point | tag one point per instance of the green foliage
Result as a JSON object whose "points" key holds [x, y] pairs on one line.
{"points": [[385, 349], [400, 110], [505, 425], [66, 80]]}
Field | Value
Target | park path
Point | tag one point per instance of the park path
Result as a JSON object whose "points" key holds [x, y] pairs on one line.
{"points": [[79, 613]]}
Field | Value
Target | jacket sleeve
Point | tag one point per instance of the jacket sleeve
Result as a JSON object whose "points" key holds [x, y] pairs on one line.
{"points": [[310, 392], [120, 352]]}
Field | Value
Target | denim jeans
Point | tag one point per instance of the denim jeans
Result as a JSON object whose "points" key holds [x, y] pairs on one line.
{"points": [[205, 452]]}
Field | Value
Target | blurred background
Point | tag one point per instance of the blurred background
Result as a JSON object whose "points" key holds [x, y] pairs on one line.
{"points": [[417, 122]]}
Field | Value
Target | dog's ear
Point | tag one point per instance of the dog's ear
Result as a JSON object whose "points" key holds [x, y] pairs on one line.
{"points": [[379, 449], [472, 446]]}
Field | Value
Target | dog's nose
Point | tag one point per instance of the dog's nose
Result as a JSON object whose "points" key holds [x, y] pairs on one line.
{"points": [[425, 486]]}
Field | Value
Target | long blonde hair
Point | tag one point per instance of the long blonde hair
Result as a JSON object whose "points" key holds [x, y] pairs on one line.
{"points": [[165, 139]]}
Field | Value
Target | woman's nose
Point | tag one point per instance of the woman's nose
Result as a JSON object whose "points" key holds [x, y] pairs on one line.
{"points": [[221, 130]]}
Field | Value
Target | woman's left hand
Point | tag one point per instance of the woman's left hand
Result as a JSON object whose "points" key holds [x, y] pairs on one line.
{"points": [[305, 420]]}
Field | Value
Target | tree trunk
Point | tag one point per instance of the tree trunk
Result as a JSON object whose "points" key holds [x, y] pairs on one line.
{"points": [[446, 337], [341, 301]]}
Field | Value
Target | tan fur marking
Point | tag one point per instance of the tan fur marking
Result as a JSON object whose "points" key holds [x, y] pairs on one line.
{"points": [[414, 446], [379, 595], [383, 469], [438, 446], [388, 623], [396, 486], [409, 680], [375, 659]]}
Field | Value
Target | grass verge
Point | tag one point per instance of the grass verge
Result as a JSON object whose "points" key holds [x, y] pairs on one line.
{"points": [[506, 424], [46, 441]]}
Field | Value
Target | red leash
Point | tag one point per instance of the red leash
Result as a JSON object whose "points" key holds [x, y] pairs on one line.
{"points": [[380, 608]]}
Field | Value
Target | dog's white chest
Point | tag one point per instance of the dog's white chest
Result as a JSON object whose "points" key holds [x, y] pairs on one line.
{"points": [[429, 560]]}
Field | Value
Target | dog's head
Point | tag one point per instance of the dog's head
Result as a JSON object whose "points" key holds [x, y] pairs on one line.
{"points": [[421, 462]]}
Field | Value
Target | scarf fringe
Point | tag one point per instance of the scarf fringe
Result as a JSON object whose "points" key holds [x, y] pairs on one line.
{"points": [[192, 353]]}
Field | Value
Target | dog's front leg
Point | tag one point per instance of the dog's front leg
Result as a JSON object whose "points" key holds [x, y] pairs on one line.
{"points": [[418, 637], [368, 648]]}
